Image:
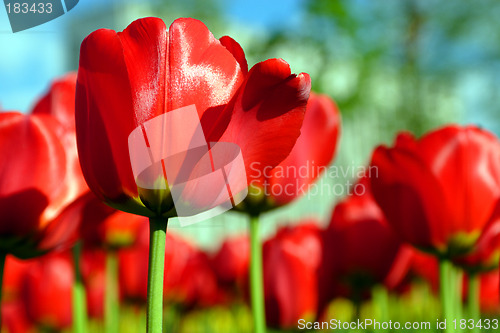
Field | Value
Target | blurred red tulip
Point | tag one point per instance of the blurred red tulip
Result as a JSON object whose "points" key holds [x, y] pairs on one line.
{"points": [[14, 317], [291, 261], [47, 291], [360, 249], [36, 196], [59, 102], [231, 262], [190, 280], [13, 311], [133, 267], [426, 266], [439, 192], [312, 153], [14, 271], [196, 285], [94, 277], [128, 78], [105, 227]]}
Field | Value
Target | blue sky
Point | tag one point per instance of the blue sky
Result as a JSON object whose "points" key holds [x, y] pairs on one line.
{"points": [[30, 59], [280, 13]]}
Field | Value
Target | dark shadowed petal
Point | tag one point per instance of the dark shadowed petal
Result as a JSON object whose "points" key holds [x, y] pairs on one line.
{"points": [[313, 151], [404, 179], [32, 171]]}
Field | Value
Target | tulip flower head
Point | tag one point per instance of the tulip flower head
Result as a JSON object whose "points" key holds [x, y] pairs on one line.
{"points": [[13, 309], [439, 192], [232, 260], [35, 198], [291, 261], [47, 291], [145, 80], [360, 249], [107, 228], [41, 180]]}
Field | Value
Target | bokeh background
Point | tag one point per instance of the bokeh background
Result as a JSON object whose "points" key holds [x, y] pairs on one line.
{"points": [[389, 65]]}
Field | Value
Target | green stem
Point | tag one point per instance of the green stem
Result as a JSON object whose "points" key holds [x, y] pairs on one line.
{"points": [[79, 297], [446, 286], [256, 277], [3, 256], [473, 300], [357, 301], [157, 238], [111, 297], [381, 301], [458, 276]]}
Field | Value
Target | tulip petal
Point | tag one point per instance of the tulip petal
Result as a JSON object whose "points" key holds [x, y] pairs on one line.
{"points": [[201, 70], [267, 115], [236, 50], [59, 101], [467, 164], [441, 191], [403, 177], [120, 82]]}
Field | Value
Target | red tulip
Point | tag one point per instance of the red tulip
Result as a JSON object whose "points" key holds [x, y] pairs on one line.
{"points": [[439, 192], [36, 198], [426, 266], [94, 276], [130, 77], [231, 262], [106, 227], [291, 261], [196, 285], [14, 317], [14, 272], [133, 268], [47, 291], [312, 153], [59, 102], [41, 179], [361, 250]]}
